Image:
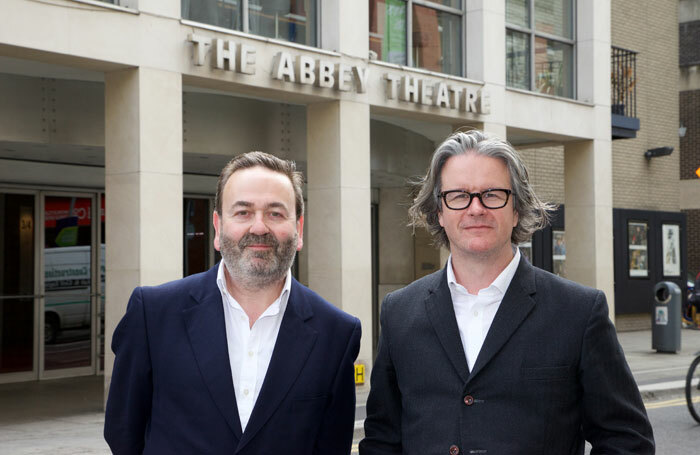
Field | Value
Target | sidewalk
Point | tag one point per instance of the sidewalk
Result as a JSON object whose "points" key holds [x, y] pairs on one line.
{"points": [[658, 374], [64, 416]]}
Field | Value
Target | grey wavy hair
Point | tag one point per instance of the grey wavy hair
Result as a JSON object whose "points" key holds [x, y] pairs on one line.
{"points": [[533, 214]]}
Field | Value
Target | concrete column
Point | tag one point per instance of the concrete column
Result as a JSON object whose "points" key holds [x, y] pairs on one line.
{"points": [[593, 52], [588, 215], [143, 186], [339, 218], [486, 55], [344, 25]]}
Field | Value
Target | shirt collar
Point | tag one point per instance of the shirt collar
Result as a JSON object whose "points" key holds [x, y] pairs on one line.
{"points": [[501, 282], [277, 306]]}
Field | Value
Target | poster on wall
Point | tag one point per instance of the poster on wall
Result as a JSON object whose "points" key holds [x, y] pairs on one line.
{"points": [[671, 249], [637, 244]]}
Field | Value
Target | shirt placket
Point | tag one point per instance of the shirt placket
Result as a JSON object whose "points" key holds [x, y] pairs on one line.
{"points": [[249, 371]]}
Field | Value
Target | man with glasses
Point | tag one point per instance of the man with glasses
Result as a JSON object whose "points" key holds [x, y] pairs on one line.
{"points": [[491, 355]]}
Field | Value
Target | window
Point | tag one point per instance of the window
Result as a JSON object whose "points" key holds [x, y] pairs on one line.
{"points": [[289, 20], [432, 30], [540, 45]]}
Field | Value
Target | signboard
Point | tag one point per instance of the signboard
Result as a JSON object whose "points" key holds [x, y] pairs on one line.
{"points": [[332, 74]]}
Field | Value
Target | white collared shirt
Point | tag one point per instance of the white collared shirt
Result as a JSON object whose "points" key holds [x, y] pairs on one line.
{"points": [[475, 313], [250, 349]]}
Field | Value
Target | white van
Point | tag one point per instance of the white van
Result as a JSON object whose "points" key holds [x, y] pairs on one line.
{"points": [[67, 289]]}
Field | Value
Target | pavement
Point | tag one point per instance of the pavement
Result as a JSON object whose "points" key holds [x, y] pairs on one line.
{"points": [[65, 416]]}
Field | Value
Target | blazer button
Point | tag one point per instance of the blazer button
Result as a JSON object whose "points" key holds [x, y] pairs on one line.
{"points": [[469, 400], [454, 450]]}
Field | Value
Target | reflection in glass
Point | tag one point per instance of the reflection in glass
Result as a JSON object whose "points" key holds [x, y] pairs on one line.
{"points": [[16, 279], [637, 247], [517, 60], [67, 282], [559, 253], [554, 17], [222, 13], [387, 30], [290, 20], [554, 68], [518, 13], [457, 4], [437, 40], [196, 247]]}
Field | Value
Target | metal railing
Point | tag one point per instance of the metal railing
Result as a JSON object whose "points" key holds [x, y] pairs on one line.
{"points": [[623, 82]]}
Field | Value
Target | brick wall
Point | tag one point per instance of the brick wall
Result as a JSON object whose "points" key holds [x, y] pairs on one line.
{"points": [[690, 144], [650, 28], [693, 224], [546, 169]]}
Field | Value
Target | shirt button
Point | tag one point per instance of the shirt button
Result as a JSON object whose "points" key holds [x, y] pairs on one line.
{"points": [[476, 313], [245, 392], [469, 400], [454, 450], [251, 353]]}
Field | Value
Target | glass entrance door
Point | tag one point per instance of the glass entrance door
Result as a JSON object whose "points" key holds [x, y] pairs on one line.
{"points": [[69, 287], [18, 296]]}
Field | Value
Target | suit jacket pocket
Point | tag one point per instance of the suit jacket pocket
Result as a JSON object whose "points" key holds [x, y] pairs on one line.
{"points": [[545, 373]]}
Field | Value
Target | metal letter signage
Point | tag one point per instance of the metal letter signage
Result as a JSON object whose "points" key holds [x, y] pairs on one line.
{"points": [[304, 69]]}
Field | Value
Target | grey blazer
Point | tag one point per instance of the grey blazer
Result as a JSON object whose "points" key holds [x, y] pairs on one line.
{"points": [[550, 375]]}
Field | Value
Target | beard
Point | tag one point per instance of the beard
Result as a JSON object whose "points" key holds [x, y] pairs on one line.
{"points": [[258, 269]]}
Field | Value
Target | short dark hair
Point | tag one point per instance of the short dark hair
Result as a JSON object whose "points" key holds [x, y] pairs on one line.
{"points": [[271, 162], [533, 214]]}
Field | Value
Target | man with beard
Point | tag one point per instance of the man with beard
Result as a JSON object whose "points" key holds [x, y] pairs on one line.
{"points": [[242, 358]]}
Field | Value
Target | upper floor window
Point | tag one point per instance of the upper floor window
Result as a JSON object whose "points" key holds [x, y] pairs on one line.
{"points": [[290, 20], [421, 33], [540, 43]]}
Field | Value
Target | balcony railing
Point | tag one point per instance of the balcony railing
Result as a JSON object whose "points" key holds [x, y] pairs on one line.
{"points": [[623, 93]]}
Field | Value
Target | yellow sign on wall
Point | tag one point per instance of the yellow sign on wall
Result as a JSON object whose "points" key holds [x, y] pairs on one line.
{"points": [[359, 374], [697, 172]]}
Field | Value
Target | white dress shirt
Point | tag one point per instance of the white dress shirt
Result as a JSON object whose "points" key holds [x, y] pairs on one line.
{"points": [[250, 348], [475, 313]]}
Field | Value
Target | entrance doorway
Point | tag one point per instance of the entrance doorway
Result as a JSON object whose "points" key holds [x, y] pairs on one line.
{"points": [[51, 284]]}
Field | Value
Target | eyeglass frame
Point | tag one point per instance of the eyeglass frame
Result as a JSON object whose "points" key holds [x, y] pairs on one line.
{"points": [[443, 195]]}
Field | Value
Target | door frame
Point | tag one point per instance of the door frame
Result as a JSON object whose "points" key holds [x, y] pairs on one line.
{"points": [[33, 374], [95, 247]]}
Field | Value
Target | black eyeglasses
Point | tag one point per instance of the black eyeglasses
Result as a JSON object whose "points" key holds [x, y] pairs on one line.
{"points": [[492, 198]]}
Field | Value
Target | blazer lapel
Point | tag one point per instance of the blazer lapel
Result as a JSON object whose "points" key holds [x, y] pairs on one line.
{"points": [[515, 306], [441, 314], [292, 348], [206, 330]]}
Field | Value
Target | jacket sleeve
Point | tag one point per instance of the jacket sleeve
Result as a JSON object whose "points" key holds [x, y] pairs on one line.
{"points": [[335, 435], [129, 403], [614, 418], [383, 422]]}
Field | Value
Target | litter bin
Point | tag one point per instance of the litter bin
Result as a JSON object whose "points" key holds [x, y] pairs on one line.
{"points": [[666, 317]]}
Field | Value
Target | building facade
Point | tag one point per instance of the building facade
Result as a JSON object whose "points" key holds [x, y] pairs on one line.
{"points": [[689, 100], [116, 119]]}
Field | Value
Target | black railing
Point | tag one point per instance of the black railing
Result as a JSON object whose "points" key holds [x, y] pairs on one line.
{"points": [[623, 82]]}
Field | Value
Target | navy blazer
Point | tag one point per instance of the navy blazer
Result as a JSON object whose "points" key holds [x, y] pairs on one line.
{"points": [[172, 390], [549, 375]]}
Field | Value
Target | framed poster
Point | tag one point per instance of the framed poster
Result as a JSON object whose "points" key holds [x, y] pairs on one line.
{"points": [[670, 249], [638, 249]]}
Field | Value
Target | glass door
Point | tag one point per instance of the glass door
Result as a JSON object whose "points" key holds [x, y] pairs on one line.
{"points": [[70, 292], [18, 293]]}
